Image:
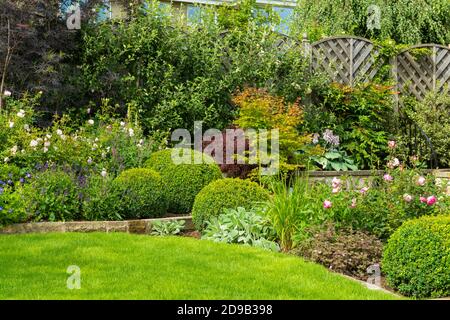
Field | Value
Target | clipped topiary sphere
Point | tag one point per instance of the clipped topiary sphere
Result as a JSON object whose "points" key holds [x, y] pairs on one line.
{"points": [[138, 193], [416, 259], [225, 193], [185, 180]]}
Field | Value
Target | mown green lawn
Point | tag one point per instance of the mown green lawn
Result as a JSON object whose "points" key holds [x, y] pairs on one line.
{"points": [[124, 266]]}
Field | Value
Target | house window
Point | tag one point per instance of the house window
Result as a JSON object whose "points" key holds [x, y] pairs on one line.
{"points": [[105, 11], [286, 15], [194, 14]]}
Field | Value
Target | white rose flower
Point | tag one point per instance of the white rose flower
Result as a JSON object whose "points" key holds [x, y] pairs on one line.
{"points": [[11, 124], [131, 132], [104, 173], [47, 144], [26, 127], [122, 124], [6, 160], [7, 93], [91, 122], [45, 149], [59, 132], [33, 143], [14, 150]]}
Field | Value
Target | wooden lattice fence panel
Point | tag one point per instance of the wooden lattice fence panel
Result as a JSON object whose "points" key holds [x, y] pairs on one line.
{"points": [[419, 75], [347, 60]]}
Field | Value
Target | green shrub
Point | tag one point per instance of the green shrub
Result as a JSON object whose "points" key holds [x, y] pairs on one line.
{"points": [[96, 200], [51, 196], [11, 206], [225, 193], [243, 227], [416, 260], [183, 181], [9, 172], [138, 193]]}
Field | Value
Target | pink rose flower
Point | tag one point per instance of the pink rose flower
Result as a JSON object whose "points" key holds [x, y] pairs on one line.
{"points": [[388, 177], [327, 204], [423, 199], [421, 181], [407, 197], [431, 200], [336, 190]]}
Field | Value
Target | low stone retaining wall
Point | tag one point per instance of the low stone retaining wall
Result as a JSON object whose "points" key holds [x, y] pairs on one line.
{"points": [[143, 226]]}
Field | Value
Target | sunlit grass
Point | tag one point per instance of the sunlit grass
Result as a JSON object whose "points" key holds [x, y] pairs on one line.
{"points": [[124, 266]]}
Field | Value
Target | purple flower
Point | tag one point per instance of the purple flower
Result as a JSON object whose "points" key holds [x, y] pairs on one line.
{"points": [[22, 180], [28, 175], [1, 208], [10, 182], [329, 137]]}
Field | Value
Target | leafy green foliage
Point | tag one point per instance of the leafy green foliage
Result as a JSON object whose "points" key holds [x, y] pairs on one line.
{"points": [[51, 196], [359, 116], [225, 193], [416, 260], [335, 160], [292, 208], [175, 73], [241, 226], [166, 228], [183, 181], [432, 115], [405, 21], [138, 193]]}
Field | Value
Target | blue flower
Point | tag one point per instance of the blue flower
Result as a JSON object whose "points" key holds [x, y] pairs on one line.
{"points": [[28, 175], [10, 182], [1, 208], [1, 190], [2, 183], [22, 180]]}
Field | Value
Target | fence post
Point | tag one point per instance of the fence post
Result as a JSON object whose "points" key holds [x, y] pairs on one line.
{"points": [[306, 47], [394, 73]]}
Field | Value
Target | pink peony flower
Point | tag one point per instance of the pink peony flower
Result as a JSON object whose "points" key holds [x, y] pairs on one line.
{"points": [[393, 163], [336, 182], [327, 204], [388, 177], [423, 199], [364, 190], [407, 197], [392, 144], [421, 181], [431, 200]]}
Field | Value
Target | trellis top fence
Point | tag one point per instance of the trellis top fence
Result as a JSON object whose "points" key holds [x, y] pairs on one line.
{"points": [[350, 60]]}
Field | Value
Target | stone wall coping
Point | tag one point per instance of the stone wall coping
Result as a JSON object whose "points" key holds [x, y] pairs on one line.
{"points": [[142, 226]]}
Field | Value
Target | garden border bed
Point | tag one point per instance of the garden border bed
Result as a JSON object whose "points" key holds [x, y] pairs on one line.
{"points": [[143, 226]]}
